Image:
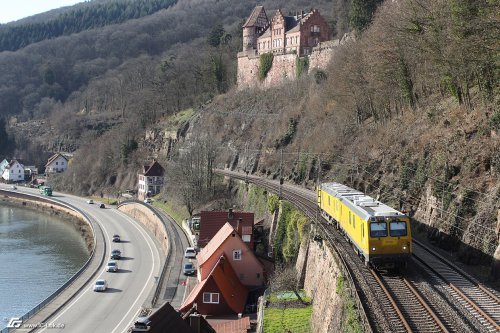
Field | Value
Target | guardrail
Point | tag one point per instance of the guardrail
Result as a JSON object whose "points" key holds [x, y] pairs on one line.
{"points": [[47, 300]]}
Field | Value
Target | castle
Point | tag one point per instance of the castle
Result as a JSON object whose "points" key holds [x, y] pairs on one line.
{"points": [[287, 38]]}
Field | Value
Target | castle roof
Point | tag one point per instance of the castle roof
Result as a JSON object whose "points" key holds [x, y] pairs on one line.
{"points": [[252, 20]]}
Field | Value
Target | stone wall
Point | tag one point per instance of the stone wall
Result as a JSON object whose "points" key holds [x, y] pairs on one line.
{"points": [[283, 69], [320, 281], [147, 217]]}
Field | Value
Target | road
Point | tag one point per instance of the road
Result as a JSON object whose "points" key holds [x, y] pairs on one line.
{"points": [[114, 310]]}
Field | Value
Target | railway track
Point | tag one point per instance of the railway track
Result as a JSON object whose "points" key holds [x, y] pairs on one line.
{"points": [[396, 303], [481, 302]]}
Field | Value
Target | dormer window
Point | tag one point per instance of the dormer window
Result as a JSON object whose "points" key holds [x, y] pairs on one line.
{"points": [[236, 254]]}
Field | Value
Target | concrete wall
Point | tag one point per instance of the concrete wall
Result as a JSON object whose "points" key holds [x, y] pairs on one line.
{"points": [[147, 217], [320, 280]]}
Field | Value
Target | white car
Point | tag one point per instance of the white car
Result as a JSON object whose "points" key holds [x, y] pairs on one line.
{"points": [[112, 266], [90, 201], [101, 285], [190, 252], [148, 200]]}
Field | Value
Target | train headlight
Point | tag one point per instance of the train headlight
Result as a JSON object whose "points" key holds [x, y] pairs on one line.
{"points": [[373, 248]]}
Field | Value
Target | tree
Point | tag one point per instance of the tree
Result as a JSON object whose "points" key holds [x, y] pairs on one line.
{"points": [[362, 12]]}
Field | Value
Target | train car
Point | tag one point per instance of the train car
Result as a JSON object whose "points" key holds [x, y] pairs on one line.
{"points": [[380, 234]]}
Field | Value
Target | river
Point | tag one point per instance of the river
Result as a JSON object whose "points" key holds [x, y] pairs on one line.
{"points": [[38, 254]]}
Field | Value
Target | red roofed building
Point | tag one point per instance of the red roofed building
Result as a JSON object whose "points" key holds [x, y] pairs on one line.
{"points": [[227, 242], [150, 180], [212, 222], [221, 293]]}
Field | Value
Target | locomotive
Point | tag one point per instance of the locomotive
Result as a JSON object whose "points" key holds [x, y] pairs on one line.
{"points": [[380, 235]]}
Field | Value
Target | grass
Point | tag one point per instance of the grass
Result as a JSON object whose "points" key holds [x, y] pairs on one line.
{"points": [[177, 213], [296, 320]]}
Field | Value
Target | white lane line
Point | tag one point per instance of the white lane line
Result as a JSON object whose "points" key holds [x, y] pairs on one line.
{"points": [[90, 286], [146, 237]]}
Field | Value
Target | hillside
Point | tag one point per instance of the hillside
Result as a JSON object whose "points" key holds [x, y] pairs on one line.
{"points": [[407, 112]]}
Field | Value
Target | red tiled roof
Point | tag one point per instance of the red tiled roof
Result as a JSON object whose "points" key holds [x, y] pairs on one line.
{"points": [[215, 243], [232, 291], [212, 222], [232, 326]]}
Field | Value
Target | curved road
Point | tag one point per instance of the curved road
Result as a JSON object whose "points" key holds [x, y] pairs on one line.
{"points": [[116, 309]]}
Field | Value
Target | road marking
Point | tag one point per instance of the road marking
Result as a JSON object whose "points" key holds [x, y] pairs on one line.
{"points": [[146, 237], [91, 285]]}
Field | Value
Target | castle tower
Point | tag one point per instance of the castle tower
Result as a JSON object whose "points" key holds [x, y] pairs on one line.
{"points": [[253, 27]]}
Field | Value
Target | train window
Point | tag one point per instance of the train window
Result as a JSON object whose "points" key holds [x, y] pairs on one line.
{"points": [[328, 201], [398, 228], [378, 229], [354, 221]]}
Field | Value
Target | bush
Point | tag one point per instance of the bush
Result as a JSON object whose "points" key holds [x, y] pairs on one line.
{"points": [[266, 63]]}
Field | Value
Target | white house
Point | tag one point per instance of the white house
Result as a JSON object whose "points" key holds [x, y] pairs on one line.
{"points": [[3, 165], [56, 163], [13, 172], [150, 180]]}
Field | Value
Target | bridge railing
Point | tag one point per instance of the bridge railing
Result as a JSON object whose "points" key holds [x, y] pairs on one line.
{"points": [[17, 322]]}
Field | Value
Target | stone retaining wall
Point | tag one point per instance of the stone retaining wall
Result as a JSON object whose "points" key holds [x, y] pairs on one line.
{"points": [[147, 217]]}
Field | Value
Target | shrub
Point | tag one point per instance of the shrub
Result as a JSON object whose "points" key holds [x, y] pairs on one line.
{"points": [[266, 63], [302, 65]]}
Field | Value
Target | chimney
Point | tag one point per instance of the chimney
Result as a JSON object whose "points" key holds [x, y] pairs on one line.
{"points": [[239, 227], [230, 215], [195, 322]]}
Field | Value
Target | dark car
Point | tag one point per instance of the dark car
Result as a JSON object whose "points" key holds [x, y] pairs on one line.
{"points": [[116, 254], [188, 268], [102, 206], [116, 238]]}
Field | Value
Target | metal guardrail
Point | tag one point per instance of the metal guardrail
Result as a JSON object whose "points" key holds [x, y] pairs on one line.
{"points": [[47, 300]]}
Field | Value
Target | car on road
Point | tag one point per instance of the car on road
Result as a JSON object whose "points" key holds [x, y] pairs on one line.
{"points": [[112, 266], [100, 285], [190, 252], [14, 187], [148, 200], [116, 238], [188, 268], [102, 206], [116, 254], [90, 201]]}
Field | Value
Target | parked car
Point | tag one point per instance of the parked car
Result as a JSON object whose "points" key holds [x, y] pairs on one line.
{"points": [[190, 252], [102, 206], [188, 268], [112, 266], [116, 254], [142, 324], [116, 238], [148, 200], [100, 285], [90, 201]]}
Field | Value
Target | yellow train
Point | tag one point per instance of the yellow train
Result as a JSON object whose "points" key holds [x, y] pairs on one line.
{"points": [[380, 234]]}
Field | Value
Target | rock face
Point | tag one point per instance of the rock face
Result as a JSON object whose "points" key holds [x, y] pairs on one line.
{"points": [[495, 266], [320, 280]]}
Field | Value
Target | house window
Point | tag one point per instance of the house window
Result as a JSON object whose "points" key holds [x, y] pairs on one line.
{"points": [[212, 298], [236, 254], [246, 238], [258, 275], [62, 163], [57, 163]]}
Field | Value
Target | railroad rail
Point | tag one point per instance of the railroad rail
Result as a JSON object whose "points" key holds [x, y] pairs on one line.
{"points": [[481, 302]]}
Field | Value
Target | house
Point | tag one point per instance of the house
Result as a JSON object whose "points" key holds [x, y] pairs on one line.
{"points": [[221, 293], [282, 34], [56, 163], [150, 180], [13, 172], [227, 242], [212, 222], [3, 165], [166, 319]]}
